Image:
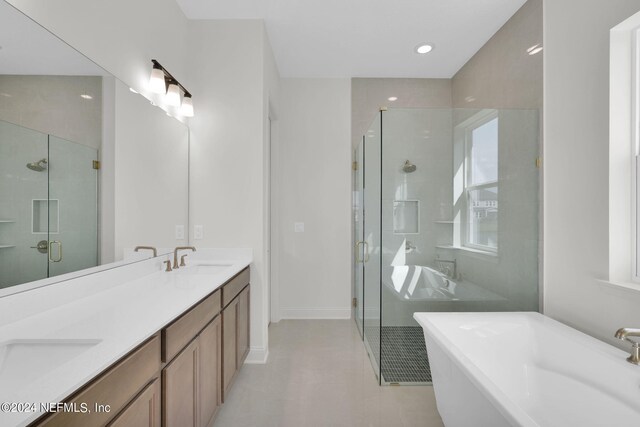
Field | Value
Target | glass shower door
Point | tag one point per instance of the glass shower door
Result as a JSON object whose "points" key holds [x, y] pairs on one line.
{"points": [[73, 206], [358, 219], [23, 211], [372, 248]]}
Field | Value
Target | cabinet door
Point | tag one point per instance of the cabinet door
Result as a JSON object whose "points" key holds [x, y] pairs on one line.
{"points": [[143, 411], [179, 379], [243, 327], [229, 345], [210, 371]]}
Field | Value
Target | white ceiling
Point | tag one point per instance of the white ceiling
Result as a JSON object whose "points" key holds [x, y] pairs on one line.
{"points": [[27, 48], [367, 38]]}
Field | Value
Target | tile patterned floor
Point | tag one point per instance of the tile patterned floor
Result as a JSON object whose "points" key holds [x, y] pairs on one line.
{"points": [[404, 354], [318, 374]]}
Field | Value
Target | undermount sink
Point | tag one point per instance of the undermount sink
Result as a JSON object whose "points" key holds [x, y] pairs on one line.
{"points": [[204, 268], [23, 361]]}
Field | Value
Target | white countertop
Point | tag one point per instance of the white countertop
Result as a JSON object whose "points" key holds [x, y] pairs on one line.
{"points": [[116, 310]]}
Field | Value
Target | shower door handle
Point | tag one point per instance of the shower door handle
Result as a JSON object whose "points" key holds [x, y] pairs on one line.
{"points": [[358, 260], [51, 243], [366, 252]]}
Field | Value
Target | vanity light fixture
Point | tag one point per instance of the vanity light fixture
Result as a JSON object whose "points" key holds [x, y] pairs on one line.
{"points": [[173, 95], [156, 81], [187, 106], [161, 81], [423, 48]]}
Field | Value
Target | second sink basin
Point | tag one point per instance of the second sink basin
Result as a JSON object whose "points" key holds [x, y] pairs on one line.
{"points": [[204, 268], [23, 361]]}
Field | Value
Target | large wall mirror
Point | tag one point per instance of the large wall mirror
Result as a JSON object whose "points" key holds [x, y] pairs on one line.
{"points": [[88, 168]]}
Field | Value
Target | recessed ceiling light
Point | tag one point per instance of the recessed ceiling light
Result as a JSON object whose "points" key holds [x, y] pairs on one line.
{"points": [[424, 48], [86, 96], [536, 48], [393, 98]]}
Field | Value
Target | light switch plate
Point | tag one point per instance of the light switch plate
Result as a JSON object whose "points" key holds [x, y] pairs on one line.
{"points": [[179, 232], [299, 227], [198, 232]]}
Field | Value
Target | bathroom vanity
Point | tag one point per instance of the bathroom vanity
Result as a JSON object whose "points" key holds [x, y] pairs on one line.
{"points": [[155, 349]]}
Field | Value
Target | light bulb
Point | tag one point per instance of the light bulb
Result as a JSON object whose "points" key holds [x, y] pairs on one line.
{"points": [[187, 106], [173, 95], [156, 81]]}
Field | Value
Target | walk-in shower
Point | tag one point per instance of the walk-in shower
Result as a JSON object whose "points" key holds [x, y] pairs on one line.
{"points": [[458, 232], [49, 208]]}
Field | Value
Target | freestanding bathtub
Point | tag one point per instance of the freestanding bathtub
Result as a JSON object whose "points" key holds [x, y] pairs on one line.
{"points": [[525, 369]]}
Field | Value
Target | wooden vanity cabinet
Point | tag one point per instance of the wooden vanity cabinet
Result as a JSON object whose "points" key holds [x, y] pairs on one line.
{"points": [[178, 377], [191, 381], [119, 387], [144, 410], [235, 328]]}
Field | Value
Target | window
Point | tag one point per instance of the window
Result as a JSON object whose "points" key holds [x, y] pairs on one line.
{"points": [[481, 183]]}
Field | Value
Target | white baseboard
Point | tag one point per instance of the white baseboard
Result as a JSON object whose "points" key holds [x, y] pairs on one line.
{"points": [[315, 313], [257, 356]]}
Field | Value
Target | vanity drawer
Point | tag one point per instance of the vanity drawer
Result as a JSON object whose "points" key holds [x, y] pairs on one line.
{"points": [[234, 286], [177, 335], [116, 387]]}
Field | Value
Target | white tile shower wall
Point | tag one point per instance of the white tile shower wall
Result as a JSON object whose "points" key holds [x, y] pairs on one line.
{"points": [[424, 137], [513, 271], [18, 187], [370, 94], [502, 75], [52, 105]]}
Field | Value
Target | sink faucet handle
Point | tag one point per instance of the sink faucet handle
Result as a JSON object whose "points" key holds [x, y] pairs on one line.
{"points": [[175, 254], [182, 263], [168, 263], [151, 248]]}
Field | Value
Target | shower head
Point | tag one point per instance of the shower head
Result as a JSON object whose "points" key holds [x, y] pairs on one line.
{"points": [[408, 167], [38, 166]]}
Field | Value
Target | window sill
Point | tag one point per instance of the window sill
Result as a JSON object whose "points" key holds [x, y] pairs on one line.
{"points": [[626, 287], [470, 250]]}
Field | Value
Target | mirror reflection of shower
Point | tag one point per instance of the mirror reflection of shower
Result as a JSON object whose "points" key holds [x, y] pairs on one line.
{"points": [[39, 166], [408, 167]]}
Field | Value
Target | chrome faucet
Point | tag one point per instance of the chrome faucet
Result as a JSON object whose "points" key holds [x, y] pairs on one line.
{"points": [[623, 334], [151, 248], [175, 254], [448, 267]]}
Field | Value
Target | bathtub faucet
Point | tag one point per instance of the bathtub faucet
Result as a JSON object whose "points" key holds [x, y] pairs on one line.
{"points": [[623, 334], [448, 267]]}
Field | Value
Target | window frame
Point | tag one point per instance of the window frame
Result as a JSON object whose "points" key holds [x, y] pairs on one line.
{"points": [[635, 156], [478, 121]]}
